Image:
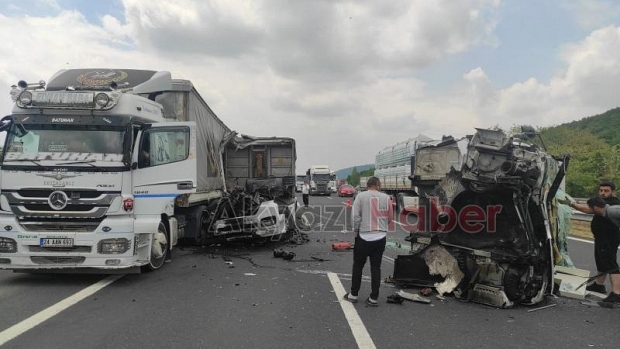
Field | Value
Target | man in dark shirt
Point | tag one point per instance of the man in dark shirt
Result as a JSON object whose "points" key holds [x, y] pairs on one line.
{"points": [[606, 238]]}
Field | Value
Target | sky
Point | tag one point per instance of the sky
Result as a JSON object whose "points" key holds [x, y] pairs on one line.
{"points": [[345, 79]]}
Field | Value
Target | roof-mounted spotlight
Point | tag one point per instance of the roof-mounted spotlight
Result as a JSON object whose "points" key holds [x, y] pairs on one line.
{"points": [[22, 84], [25, 98], [102, 99], [113, 85]]}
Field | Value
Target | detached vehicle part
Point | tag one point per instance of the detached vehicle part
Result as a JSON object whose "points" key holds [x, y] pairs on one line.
{"points": [[485, 230]]}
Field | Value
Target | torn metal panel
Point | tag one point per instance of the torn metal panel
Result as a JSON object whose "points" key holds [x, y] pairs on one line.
{"points": [[441, 262]]}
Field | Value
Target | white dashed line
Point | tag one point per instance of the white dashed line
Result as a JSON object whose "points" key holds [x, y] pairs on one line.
{"points": [[362, 337], [44, 315], [581, 240]]}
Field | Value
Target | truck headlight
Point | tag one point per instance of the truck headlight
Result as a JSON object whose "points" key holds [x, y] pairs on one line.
{"points": [[113, 246], [8, 245]]}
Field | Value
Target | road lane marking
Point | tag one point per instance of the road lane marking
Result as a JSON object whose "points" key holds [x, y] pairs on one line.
{"points": [[581, 240], [391, 260], [44, 315], [584, 240], [362, 337]]}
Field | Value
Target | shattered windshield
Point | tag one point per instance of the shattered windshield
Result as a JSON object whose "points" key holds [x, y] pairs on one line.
{"points": [[68, 143]]}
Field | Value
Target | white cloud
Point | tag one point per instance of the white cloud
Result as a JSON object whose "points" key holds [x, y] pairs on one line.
{"points": [[593, 14], [338, 76], [586, 87]]}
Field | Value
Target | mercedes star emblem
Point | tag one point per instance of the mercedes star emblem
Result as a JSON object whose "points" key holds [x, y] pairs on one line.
{"points": [[58, 200]]}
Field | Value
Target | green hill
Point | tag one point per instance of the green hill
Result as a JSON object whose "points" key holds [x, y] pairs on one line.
{"points": [[345, 172], [605, 125], [594, 145]]}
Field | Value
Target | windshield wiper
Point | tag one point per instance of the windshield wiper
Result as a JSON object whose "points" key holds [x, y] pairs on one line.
{"points": [[88, 162], [36, 162]]}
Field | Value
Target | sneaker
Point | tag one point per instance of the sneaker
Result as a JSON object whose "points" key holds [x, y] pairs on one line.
{"points": [[349, 297], [612, 298], [371, 302], [596, 288]]}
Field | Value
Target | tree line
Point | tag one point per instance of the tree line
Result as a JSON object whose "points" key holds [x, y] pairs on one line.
{"points": [[354, 178]]}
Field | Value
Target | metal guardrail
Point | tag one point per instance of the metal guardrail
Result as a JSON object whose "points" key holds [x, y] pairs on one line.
{"points": [[580, 216]]}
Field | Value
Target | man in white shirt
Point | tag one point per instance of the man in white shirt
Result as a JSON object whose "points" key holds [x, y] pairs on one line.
{"points": [[373, 216]]}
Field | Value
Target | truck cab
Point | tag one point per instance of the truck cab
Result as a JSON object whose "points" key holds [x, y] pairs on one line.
{"points": [[319, 177], [88, 172]]}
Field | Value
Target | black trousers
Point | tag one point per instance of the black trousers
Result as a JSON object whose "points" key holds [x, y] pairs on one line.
{"points": [[361, 251], [605, 251], [305, 197]]}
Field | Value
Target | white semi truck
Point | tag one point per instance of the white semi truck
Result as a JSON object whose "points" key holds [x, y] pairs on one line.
{"points": [[108, 169], [333, 180], [319, 177]]}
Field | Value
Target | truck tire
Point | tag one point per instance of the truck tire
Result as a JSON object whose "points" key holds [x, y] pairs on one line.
{"points": [[159, 249]]}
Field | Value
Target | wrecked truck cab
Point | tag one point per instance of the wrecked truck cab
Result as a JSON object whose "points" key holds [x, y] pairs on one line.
{"points": [[483, 230], [260, 201], [263, 208]]}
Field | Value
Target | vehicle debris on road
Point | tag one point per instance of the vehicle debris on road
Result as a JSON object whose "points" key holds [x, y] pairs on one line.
{"points": [[413, 297], [342, 246]]}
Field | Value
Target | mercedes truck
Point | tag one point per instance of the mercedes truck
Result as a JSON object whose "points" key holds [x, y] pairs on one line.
{"points": [[109, 169]]}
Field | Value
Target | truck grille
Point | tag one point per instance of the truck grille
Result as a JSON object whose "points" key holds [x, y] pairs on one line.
{"points": [[61, 226], [82, 249], [71, 210], [57, 260]]}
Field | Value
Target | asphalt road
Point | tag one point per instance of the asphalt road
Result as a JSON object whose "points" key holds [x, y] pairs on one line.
{"points": [[201, 300]]}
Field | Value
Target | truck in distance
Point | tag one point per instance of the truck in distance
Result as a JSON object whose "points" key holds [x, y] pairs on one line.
{"points": [[299, 182], [319, 177]]}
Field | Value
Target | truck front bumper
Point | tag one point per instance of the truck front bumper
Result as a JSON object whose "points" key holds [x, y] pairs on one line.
{"points": [[112, 246]]}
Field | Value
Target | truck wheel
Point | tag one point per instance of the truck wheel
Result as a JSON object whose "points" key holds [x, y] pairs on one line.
{"points": [[159, 248]]}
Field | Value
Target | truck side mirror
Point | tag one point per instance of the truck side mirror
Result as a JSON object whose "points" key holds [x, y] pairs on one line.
{"points": [[5, 123]]}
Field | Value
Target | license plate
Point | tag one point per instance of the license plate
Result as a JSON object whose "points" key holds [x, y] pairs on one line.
{"points": [[54, 242]]}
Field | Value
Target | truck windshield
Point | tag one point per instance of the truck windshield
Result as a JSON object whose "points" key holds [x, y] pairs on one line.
{"points": [[321, 177], [67, 143]]}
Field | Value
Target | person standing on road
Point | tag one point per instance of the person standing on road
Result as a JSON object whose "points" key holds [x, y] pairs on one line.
{"points": [[305, 193], [606, 235], [602, 209], [372, 217]]}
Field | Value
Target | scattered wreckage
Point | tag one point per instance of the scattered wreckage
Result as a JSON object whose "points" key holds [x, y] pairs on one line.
{"points": [[485, 230]]}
